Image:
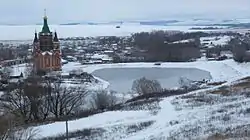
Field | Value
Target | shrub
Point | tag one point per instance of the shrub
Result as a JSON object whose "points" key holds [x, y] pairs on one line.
{"points": [[146, 86]]}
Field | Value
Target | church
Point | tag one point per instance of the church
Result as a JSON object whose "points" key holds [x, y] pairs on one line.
{"points": [[46, 50]]}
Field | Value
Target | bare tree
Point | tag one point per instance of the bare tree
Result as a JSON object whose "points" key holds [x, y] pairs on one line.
{"points": [[35, 93], [239, 53], [10, 131], [37, 98], [26, 99], [64, 100], [188, 84], [146, 86], [103, 99], [185, 83], [29, 70], [16, 102], [21, 134], [239, 49]]}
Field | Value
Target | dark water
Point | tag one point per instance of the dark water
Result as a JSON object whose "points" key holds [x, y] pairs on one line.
{"points": [[121, 79]]}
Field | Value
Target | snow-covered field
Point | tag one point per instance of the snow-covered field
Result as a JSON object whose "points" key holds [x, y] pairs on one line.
{"points": [[104, 120], [217, 40], [27, 32], [186, 115], [16, 70], [211, 41]]}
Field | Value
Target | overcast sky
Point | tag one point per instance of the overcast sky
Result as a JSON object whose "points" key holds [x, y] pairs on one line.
{"points": [[62, 11]]}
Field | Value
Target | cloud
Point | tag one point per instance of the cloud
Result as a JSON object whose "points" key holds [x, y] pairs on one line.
{"points": [[31, 11]]}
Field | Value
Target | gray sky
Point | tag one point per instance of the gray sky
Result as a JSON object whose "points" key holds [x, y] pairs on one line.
{"points": [[62, 11]]}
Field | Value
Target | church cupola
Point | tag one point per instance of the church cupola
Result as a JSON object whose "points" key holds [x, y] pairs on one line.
{"points": [[35, 38], [55, 38], [45, 28]]}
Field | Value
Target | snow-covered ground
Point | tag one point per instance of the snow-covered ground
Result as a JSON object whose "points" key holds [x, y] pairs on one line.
{"points": [[219, 70], [16, 70], [210, 41], [196, 119], [187, 116], [211, 21], [104, 120], [216, 68], [10, 32], [216, 40], [27, 32], [1, 93]]}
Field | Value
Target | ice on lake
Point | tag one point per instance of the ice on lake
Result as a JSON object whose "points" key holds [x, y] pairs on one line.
{"points": [[121, 79]]}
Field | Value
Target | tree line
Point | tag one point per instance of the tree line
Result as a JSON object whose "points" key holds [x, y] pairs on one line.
{"points": [[240, 49], [160, 46]]}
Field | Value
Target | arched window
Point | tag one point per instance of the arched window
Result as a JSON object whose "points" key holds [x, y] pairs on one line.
{"points": [[47, 61], [53, 60], [58, 61], [41, 61]]}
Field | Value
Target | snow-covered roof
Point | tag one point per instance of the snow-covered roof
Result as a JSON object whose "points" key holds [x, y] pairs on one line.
{"points": [[29, 56], [100, 56], [108, 51], [183, 41], [63, 61], [46, 52], [70, 56]]}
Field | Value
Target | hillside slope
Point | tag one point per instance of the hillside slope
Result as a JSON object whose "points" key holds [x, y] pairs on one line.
{"points": [[219, 111]]}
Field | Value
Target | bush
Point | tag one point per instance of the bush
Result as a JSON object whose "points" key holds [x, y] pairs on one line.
{"points": [[239, 49], [187, 84], [103, 99], [146, 86]]}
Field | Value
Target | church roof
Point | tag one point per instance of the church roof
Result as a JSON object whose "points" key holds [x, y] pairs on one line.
{"points": [[35, 39], [45, 28], [55, 38]]}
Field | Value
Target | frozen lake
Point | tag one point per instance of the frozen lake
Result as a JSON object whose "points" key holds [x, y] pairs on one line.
{"points": [[121, 79]]}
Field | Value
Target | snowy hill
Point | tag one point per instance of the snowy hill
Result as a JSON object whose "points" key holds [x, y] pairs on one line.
{"points": [[198, 115], [221, 109]]}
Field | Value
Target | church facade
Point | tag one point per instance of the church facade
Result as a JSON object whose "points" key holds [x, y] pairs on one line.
{"points": [[46, 50]]}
